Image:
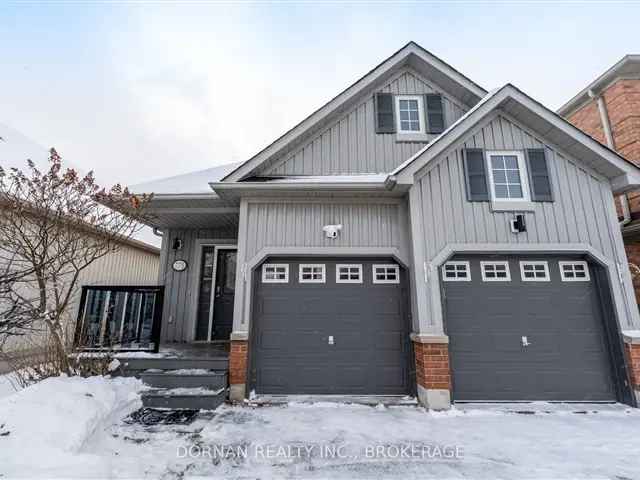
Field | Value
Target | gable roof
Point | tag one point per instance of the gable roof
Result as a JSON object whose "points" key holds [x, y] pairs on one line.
{"points": [[411, 54], [622, 173], [627, 67]]}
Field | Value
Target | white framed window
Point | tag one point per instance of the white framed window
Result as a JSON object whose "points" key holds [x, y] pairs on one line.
{"points": [[534, 271], [312, 273], [508, 176], [348, 273], [410, 114], [275, 273], [576, 271], [495, 271], [386, 273], [456, 272]]}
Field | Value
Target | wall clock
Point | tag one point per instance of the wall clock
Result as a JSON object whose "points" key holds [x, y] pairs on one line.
{"points": [[179, 265]]}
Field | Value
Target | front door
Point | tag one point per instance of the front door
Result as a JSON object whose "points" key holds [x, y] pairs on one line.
{"points": [[214, 317], [223, 294]]}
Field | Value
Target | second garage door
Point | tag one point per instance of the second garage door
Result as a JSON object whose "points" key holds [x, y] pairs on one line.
{"points": [[330, 326], [523, 328]]}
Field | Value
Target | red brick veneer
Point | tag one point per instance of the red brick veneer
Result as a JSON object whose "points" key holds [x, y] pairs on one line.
{"points": [[432, 365], [238, 362], [633, 362]]}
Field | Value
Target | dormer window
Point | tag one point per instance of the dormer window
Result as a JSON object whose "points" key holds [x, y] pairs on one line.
{"points": [[410, 114]]}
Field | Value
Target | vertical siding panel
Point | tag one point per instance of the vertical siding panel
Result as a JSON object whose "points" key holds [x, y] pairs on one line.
{"points": [[354, 145]]}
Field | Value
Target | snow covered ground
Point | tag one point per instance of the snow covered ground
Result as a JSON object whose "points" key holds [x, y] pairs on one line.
{"points": [[7, 385], [73, 428]]}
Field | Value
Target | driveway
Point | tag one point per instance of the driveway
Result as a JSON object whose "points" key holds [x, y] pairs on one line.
{"points": [[337, 441]]}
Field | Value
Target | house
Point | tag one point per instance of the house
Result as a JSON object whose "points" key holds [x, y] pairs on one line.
{"points": [[608, 109], [134, 262], [415, 235]]}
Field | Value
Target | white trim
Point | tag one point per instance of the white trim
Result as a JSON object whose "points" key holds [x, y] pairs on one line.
{"points": [[495, 279], [467, 270], [522, 170], [564, 278], [350, 266], [386, 266], [275, 266], [302, 266], [546, 278], [421, 117]]}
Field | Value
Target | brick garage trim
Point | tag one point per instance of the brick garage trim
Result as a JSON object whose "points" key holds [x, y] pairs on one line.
{"points": [[238, 353], [432, 365], [632, 352]]}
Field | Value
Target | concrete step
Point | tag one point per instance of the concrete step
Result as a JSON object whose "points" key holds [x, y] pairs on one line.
{"points": [[184, 398], [142, 363], [185, 379]]}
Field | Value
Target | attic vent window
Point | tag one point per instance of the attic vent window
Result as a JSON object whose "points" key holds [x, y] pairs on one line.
{"points": [[410, 114]]}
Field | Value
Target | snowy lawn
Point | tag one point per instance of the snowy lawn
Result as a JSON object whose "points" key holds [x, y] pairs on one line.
{"points": [[73, 428]]}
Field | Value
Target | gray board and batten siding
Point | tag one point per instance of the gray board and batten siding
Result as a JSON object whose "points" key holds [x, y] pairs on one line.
{"points": [[181, 288], [281, 226], [350, 144], [581, 216]]}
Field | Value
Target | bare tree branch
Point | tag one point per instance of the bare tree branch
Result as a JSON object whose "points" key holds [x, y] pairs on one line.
{"points": [[53, 225]]}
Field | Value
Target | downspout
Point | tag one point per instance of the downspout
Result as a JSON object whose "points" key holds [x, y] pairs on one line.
{"points": [[157, 232], [606, 127]]}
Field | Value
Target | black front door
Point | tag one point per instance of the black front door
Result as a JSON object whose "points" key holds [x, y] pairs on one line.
{"points": [[223, 295], [216, 295]]}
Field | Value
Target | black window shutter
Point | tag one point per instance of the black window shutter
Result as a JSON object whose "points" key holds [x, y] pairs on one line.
{"points": [[385, 121], [475, 174], [435, 113], [539, 180]]}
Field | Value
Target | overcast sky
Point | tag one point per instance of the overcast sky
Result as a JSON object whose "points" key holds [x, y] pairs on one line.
{"points": [[141, 91]]}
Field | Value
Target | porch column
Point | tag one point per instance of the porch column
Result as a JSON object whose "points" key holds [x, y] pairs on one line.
{"points": [[433, 374]]}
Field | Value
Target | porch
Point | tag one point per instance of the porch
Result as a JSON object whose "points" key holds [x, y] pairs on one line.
{"points": [[125, 322]]}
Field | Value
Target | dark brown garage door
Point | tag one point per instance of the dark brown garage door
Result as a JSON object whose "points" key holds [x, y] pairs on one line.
{"points": [[326, 326], [526, 328]]}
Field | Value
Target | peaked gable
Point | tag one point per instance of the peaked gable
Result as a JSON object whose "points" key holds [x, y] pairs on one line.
{"points": [[350, 144], [425, 63], [548, 125]]}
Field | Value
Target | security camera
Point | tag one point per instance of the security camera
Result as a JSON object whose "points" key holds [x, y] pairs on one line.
{"points": [[331, 231]]}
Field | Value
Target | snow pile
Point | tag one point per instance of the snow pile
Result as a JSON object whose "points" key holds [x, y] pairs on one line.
{"points": [[49, 422]]}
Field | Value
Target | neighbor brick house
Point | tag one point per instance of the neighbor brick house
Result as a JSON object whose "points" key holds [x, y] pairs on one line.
{"points": [[416, 235], [608, 109]]}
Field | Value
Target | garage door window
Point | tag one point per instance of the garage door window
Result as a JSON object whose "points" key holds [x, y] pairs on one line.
{"points": [[574, 271], [348, 273], [456, 272], [312, 273], [534, 271], [275, 273], [495, 271], [386, 274]]}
